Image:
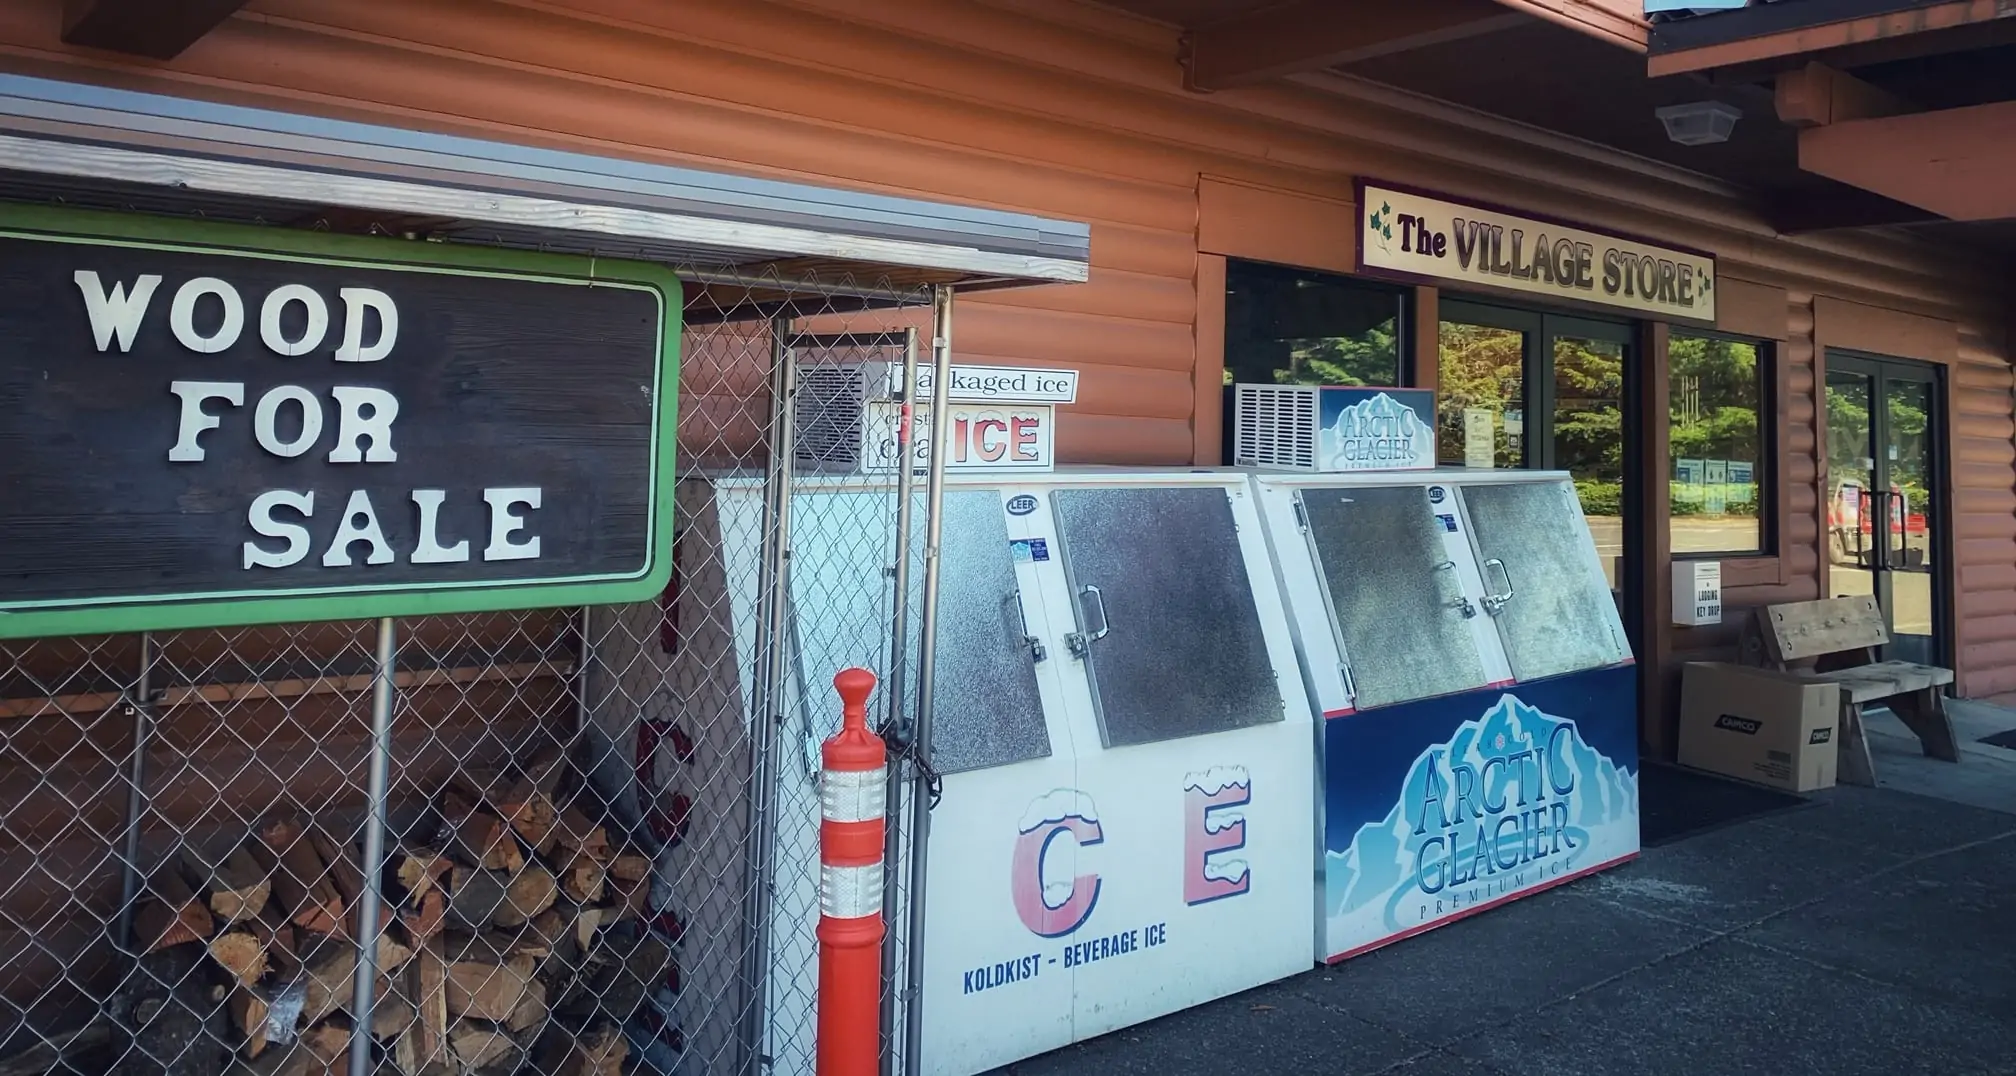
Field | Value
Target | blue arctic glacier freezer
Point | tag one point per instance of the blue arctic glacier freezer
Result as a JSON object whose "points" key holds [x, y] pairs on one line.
{"points": [[1460, 637]]}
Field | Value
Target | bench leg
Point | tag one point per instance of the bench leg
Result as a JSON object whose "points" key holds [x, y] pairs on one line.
{"points": [[1924, 712], [1855, 766]]}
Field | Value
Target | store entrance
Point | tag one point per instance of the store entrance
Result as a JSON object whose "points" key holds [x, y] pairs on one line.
{"points": [[1520, 388], [1885, 421]]}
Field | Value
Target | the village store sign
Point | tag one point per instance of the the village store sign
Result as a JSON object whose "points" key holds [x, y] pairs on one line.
{"points": [[210, 425], [1420, 236]]}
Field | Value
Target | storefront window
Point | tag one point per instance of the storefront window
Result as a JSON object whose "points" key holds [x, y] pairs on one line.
{"points": [[1288, 326], [1717, 465]]}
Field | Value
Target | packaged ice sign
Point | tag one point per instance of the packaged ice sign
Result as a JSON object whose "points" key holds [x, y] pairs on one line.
{"points": [[213, 425], [1476, 802], [1006, 437], [1333, 428], [999, 384]]}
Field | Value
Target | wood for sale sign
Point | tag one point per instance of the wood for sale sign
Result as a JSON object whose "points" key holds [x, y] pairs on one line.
{"points": [[207, 425]]}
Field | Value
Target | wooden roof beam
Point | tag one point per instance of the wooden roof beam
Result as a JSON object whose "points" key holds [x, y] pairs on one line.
{"points": [[1784, 45], [157, 29], [1310, 35], [1817, 95], [1954, 162]]}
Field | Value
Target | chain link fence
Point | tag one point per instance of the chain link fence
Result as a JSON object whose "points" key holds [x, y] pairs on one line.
{"points": [[601, 853]]}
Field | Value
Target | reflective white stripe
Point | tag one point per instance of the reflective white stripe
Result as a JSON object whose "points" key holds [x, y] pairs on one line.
{"points": [[850, 892], [853, 795]]}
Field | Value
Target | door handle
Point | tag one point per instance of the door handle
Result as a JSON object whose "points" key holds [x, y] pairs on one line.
{"points": [[1081, 642], [1461, 602], [1494, 601], [1035, 645]]}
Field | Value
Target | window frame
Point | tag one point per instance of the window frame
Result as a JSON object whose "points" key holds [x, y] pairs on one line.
{"points": [[1772, 503], [1403, 297]]}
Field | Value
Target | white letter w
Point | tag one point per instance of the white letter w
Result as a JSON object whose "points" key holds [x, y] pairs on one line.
{"points": [[118, 312]]}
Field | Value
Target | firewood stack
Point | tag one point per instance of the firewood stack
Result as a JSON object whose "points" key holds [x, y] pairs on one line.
{"points": [[514, 938]]}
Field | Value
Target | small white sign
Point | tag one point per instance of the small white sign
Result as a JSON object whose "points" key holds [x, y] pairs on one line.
{"points": [[1480, 437], [1001, 384], [1697, 593], [1003, 437]]}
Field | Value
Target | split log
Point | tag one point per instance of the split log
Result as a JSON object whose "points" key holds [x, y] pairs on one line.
{"points": [[583, 878], [532, 891], [489, 978], [484, 840], [528, 804], [392, 1007], [300, 878], [429, 1033], [476, 1045], [599, 1052], [428, 918], [277, 938], [531, 1010], [573, 832], [294, 1059], [329, 1045], [241, 953], [239, 885], [175, 916], [347, 877], [331, 978], [630, 869], [420, 870], [250, 1011]]}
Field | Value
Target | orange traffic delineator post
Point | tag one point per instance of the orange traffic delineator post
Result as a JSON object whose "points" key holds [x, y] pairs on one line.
{"points": [[852, 802]]}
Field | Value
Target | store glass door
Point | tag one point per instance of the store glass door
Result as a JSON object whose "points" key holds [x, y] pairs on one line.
{"points": [[1548, 391], [1885, 423]]}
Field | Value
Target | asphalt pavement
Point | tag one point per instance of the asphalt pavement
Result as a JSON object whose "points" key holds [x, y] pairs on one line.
{"points": [[1871, 931]]}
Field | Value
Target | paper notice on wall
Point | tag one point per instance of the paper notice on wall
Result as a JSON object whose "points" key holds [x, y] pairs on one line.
{"points": [[1480, 437]]}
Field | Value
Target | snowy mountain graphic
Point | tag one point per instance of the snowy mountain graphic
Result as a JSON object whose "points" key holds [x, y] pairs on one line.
{"points": [[1542, 802], [1369, 434]]}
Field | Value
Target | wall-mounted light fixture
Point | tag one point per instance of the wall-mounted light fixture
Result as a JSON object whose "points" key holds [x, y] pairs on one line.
{"points": [[1699, 123]]}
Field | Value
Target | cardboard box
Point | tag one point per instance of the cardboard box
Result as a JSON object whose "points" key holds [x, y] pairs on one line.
{"points": [[1766, 727]]}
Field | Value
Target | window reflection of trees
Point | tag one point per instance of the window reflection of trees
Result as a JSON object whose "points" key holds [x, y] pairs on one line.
{"points": [[1715, 407]]}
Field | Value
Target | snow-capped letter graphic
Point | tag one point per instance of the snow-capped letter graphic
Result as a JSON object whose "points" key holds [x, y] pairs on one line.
{"points": [[1054, 902], [1213, 824]]}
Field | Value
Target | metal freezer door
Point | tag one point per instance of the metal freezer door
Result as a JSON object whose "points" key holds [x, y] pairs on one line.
{"points": [[1403, 604], [1544, 586], [1167, 629]]}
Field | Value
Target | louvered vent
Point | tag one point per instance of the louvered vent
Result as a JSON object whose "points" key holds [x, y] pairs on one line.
{"points": [[1274, 426], [830, 415]]}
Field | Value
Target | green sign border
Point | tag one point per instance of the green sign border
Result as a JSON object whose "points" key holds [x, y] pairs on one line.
{"points": [[295, 604]]}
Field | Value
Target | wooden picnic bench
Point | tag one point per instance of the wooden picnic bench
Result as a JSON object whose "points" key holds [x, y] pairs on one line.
{"points": [[1795, 636]]}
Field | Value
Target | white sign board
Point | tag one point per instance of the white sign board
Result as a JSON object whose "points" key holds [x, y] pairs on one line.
{"points": [[1697, 593], [1002, 437], [1000, 384], [1423, 237], [1480, 437]]}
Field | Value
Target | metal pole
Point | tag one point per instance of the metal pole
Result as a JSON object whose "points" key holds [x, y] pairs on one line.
{"points": [[141, 706], [772, 610], [368, 927], [896, 731], [927, 664]]}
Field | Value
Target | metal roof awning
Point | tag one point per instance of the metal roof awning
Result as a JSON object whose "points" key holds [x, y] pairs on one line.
{"points": [[107, 148]]}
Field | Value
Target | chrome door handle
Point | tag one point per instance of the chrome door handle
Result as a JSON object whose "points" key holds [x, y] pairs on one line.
{"points": [[1036, 652], [1494, 601], [1461, 602], [1105, 624]]}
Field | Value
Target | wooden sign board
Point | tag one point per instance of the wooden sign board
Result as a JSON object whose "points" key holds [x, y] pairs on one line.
{"points": [[204, 425]]}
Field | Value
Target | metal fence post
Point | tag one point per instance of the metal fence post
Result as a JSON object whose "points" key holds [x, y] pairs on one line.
{"points": [[772, 612], [897, 729], [368, 927], [927, 663], [142, 705]]}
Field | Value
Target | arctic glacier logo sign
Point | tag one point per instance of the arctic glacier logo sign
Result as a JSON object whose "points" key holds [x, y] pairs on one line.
{"points": [[1514, 800], [1051, 900], [1376, 429]]}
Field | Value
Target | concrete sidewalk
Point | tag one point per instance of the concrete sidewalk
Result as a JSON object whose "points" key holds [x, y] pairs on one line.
{"points": [[1871, 932]]}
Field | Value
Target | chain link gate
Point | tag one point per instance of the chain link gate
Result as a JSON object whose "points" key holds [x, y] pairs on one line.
{"points": [[598, 855]]}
